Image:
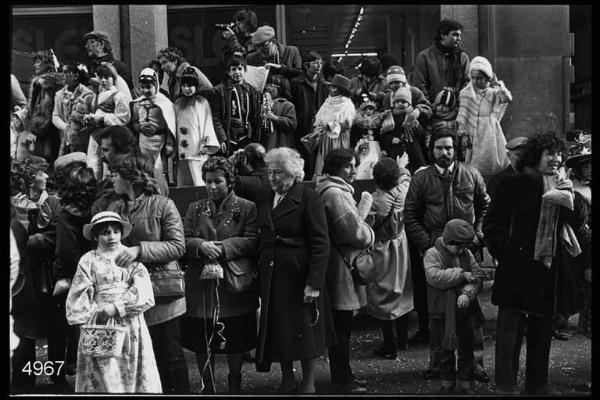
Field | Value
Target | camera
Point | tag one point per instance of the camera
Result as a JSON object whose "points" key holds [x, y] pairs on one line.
{"points": [[223, 27]]}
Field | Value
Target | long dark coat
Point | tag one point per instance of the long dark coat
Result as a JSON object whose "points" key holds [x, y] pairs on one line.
{"points": [[522, 283], [293, 253]]}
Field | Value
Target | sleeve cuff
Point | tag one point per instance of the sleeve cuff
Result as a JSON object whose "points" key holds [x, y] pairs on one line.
{"points": [[120, 306]]}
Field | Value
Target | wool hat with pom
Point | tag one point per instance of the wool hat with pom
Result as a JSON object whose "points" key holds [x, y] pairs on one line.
{"points": [[481, 64], [395, 73]]}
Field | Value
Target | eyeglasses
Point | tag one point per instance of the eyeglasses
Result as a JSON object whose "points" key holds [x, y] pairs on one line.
{"points": [[274, 172], [263, 45]]}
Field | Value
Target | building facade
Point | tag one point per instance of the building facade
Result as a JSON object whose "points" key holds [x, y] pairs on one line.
{"points": [[541, 52]]}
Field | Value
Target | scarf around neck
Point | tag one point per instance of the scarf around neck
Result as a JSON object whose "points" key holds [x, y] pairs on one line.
{"points": [[453, 72]]}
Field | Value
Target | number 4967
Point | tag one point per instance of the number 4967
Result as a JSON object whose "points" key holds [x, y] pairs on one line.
{"points": [[39, 368]]}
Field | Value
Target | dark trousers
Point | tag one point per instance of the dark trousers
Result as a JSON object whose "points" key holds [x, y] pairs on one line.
{"points": [[25, 352], [172, 367], [447, 360], [510, 330], [395, 333], [339, 354], [420, 288], [477, 348]]}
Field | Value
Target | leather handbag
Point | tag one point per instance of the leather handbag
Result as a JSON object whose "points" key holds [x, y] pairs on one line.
{"points": [[362, 268], [241, 275], [168, 283]]}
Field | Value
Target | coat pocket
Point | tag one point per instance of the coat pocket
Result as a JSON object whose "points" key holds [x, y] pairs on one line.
{"points": [[241, 275]]}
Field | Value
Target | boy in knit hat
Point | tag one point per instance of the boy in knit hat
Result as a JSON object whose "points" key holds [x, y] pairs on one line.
{"points": [[153, 119], [453, 281]]}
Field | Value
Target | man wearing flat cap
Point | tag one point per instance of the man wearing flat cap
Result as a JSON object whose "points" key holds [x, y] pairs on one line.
{"points": [[513, 151], [97, 45], [278, 58]]}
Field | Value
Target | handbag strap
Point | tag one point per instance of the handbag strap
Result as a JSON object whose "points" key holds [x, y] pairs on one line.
{"points": [[343, 257]]}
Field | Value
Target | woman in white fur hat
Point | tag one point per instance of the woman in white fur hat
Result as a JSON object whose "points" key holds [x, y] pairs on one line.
{"points": [[482, 105]]}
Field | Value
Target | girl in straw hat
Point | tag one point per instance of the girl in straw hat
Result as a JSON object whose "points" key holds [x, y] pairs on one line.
{"points": [[103, 290]]}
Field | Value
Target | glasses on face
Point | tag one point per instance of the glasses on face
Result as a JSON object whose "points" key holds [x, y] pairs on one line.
{"points": [[263, 45], [274, 172]]}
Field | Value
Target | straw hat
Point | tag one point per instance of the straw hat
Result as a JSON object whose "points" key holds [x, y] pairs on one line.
{"points": [[106, 216]]}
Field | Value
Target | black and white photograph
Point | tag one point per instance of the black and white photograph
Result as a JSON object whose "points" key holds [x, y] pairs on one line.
{"points": [[300, 199]]}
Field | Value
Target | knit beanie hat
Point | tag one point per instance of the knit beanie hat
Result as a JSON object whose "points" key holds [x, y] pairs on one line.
{"points": [[402, 93], [481, 64], [395, 73], [458, 231], [148, 75], [263, 34], [190, 75]]}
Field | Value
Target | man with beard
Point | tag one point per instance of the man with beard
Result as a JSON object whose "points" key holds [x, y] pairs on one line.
{"points": [[97, 45], [278, 58], [114, 141], [443, 191], [444, 64]]}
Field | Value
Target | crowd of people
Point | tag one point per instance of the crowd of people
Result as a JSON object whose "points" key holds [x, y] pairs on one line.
{"points": [[265, 262]]}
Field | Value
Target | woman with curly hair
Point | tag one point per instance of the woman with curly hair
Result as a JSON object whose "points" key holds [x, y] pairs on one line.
{"points": [[157, 241], [536, 228], [221, 313], [295, 319]]}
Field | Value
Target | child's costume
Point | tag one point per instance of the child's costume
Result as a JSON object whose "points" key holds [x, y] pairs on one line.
{"points": [[97, 282], [157, 111], [196, 138], [282, 132], [479, 115], [366, 130]]}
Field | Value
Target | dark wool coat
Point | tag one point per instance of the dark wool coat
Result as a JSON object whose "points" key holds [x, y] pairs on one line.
{"points": [[254, 187], [293, 253], [510, 226], [35, 312], [233, 224], [307, 101], [283, 129]]}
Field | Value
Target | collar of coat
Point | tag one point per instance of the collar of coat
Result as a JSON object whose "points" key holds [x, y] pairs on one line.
{"points": [[289, 202], [327, 181], [303, 78], [226, 204]]}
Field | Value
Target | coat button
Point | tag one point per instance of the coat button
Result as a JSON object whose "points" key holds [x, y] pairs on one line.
{"points": [[271, 263]]}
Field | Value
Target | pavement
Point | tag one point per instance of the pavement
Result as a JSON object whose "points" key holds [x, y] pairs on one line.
{"points": [[569, 370]]}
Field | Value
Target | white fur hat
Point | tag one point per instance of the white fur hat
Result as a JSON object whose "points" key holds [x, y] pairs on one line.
{"points": [[481, 64]]}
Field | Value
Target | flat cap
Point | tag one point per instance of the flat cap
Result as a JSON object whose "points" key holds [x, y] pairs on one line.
{"points": [[97, 35], [62, 161], [262, 34], [516, 142]]}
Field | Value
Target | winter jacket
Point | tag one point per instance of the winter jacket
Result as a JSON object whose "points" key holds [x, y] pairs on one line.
{"points": [[430, 67], [283, 129], [234, 225], [419, 101], [431, 202], [158, 231], [442, 277], [348, 234], [359, 85], [64, 101], [221, 108], [510, 227]]}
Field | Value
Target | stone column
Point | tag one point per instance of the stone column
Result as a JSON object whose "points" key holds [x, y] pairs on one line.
{"points": [[148, 34], [106, 18]]}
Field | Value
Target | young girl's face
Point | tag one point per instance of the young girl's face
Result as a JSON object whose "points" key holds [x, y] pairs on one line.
{"points": [[148, 90], [188, 90], [106, 81], [455, 250], [401, 104], [479, 79], [109, 237], [395, 85]]}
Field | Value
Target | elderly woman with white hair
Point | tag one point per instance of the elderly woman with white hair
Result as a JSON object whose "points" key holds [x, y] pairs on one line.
{"points": [[482, 104], [293, 256]]}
